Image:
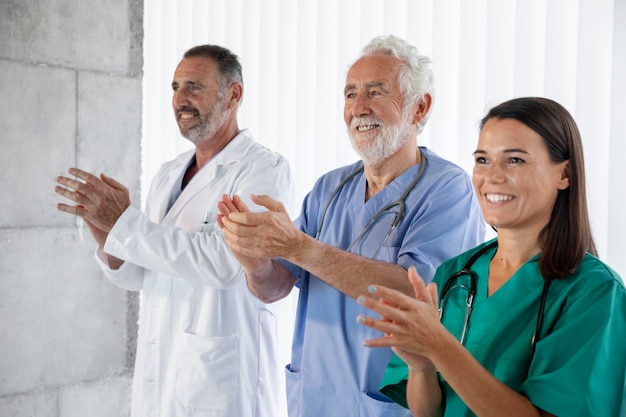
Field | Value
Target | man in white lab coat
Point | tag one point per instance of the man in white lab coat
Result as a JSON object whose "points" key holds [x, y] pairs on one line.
{"points": [[206, 346]]}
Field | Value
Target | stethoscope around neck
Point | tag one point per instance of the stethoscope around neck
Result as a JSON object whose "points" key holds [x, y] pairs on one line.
{"points": [[471, 293], [399, 202]]}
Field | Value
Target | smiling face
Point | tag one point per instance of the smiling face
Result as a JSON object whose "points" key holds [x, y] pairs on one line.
{"points": [[373, 110], [199, 105], [516, 182]]}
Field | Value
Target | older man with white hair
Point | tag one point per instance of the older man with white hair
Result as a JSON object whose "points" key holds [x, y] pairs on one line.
{"points": [[401, 205]]}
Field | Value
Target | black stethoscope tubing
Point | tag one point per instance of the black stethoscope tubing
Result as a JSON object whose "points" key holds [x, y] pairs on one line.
{"points": [[466, 270]]}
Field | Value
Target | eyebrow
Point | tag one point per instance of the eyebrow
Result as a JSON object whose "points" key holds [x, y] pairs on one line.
{"points": [[187, 82], [513, 150], [368, 85]]}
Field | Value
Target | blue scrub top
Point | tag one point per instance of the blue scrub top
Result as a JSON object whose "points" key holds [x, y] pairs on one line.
{"points": [[331, 373]]}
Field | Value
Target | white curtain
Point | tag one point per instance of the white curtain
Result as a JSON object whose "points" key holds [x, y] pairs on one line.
{"points": [[295, 54]]}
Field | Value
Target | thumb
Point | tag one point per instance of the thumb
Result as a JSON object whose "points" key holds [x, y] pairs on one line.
{"points": [[418, 284], [267, 202], [433, 293]]}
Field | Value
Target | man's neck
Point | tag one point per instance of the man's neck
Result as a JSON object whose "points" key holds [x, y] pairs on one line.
{"points": [[380, 175]]}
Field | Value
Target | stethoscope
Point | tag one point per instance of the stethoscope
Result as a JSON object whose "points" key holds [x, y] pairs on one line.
{"points": [[399, 202], [471, 293]]}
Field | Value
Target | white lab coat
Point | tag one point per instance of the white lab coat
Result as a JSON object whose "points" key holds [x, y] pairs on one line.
{"points": [[206, 346]]}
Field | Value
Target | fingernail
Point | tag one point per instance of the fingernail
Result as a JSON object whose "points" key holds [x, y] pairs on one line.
{"points": [[360, 299], [372, 288], [366, 344], [360, 319]]}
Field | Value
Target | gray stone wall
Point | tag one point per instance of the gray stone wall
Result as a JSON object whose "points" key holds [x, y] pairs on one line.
{"points": [[70, 95]]}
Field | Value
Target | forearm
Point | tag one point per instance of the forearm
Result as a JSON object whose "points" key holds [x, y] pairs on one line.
{"points": [[199, 257], [270, 281], [349, 273], [485, 395], [424, 394]]}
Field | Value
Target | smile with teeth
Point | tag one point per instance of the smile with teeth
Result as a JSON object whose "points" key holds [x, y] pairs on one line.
{"points": [[365, 128], [185, 116], [497, 198]]}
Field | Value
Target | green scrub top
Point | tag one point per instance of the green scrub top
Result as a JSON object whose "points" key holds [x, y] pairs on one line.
{"points": [[579, 366]]}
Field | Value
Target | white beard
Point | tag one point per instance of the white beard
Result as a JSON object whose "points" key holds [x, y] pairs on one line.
{"points": [[375, 149]]}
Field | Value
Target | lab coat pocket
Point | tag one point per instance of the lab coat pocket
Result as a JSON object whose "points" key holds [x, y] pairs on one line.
{"points": [[208, 372]]}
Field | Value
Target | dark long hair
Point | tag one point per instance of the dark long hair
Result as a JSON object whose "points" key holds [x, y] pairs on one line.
{"points": [[567, 236]]}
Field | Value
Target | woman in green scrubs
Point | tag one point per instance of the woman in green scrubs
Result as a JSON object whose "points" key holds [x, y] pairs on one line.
{"points": [[512, 354]]}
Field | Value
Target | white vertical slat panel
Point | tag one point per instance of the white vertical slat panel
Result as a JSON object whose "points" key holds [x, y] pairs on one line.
{"points": [[471, 90], [394, 18], [530, 34], [372, 23], [328, 87], [593, 108], [446, 66], [561, 52], [216, 24], [305, 161], [420, 29], [420, 24], [234, 24], [500, 49], [183, 15], [201, 12], [348, 46], [287, 132], [246, 43], [267, 105], [617, 146]]}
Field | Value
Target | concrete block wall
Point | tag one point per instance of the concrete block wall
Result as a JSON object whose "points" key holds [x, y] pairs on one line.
{"points": [[70, 95]]}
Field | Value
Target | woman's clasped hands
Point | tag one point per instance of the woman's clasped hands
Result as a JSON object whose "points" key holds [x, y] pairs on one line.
{"points": [[410, 325]]}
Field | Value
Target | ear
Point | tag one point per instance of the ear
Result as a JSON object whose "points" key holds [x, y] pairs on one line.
{"points": [[421, 108], [234, 94], [565, 170]]}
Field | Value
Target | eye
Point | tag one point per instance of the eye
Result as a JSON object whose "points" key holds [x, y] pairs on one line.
{"points": [[515, 160], [375, 93], [480, 160], [350, 96]]}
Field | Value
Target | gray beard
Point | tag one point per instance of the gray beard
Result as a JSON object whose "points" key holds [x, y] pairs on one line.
{"points": [[209, 124]]}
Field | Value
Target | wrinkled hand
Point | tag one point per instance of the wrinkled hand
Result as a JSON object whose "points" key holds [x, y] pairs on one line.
{"points": [[99, 201], [236, 205], [269, 234], [411, 325]]}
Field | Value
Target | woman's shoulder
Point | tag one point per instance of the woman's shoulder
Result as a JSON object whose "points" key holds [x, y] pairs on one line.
{"points": [[593, 273]]}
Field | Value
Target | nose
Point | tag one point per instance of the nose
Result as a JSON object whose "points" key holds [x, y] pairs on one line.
{"points": [[494, 173], [359, 105], [179, 98]]}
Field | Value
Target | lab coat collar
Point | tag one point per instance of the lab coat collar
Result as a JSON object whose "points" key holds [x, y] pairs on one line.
{"points": [[234, 152]]}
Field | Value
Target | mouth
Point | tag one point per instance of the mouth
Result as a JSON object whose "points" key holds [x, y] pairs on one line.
{"points": [[365, 124], [365, 128], [498, 198], [186, 114]]}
